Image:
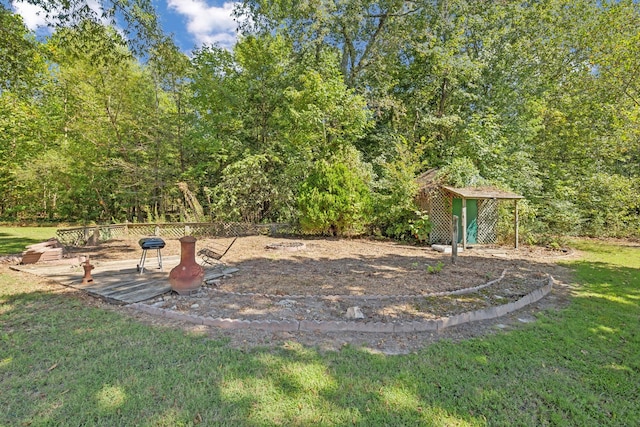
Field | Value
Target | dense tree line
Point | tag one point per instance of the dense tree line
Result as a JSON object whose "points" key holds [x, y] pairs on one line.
{"points": [[325, 111]]}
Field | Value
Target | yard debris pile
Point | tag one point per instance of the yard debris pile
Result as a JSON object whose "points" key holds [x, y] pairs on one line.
{"points": [[50, 250]]}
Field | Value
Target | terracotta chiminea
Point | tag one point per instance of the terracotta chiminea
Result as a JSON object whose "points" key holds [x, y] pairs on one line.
{"points": [[187, 276]]}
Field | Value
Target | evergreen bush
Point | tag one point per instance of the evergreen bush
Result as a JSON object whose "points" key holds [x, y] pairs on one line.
{"points": [[334, 200]]}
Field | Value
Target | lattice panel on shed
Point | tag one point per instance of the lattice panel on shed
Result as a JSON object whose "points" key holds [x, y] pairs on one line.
{"points": [[440, 215], [487, 221]]}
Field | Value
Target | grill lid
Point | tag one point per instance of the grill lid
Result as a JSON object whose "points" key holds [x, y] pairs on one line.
{"points": [[151, 243]]}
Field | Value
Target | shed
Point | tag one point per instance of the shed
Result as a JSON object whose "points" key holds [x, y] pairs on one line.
{"points": [[476, 207]]}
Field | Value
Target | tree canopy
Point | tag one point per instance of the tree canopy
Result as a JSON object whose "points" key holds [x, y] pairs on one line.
{"points": [[324, 112]]}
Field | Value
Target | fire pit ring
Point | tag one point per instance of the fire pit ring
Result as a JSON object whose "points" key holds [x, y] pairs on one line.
{"points": [[287, 246]]}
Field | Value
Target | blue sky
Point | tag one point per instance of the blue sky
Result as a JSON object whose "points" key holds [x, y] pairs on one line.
{"points": [[192, 22]]}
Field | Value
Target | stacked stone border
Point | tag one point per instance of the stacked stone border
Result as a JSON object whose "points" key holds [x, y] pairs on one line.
{"points": [[355, 326]]}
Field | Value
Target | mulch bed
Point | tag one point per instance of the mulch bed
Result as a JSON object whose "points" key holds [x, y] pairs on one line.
{"points": [[322, 278]]}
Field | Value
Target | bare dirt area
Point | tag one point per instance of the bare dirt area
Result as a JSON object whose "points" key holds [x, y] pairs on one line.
{"points": [[320, 279]]}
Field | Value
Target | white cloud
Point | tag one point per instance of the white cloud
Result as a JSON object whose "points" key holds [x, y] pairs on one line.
{"points": [[34, 17], [208, 24]]}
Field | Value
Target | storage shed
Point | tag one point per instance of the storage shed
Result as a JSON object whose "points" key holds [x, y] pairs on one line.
{"points": [[476, 207]]}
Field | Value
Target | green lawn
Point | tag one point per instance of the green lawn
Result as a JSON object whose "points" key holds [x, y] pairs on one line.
{"points": [[14, 239], [64, 363]]}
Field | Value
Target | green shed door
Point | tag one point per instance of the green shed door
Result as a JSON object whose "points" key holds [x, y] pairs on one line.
{"points": [[472, 219]]}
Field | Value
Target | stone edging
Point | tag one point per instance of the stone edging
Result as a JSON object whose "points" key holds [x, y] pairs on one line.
{"points": [[352, 326]]}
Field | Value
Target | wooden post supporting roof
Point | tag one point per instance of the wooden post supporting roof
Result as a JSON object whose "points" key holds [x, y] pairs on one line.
{"points": [[464, 223]]}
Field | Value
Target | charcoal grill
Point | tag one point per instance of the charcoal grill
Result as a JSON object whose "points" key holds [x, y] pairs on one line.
{"points": [[150, 243]]}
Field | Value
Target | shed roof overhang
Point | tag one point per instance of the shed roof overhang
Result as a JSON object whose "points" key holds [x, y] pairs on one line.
{"points": [[482, 193]]}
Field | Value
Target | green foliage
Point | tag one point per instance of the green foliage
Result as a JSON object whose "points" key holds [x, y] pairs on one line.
{"points": [[609, 205], [421, 226], [528, 231], [95, 145], [560, 217], [414, 226], [324, 116], [245, 192], [435, 269], [461, 172], [334, 200], [400, 228], [394, 191], [22, 61]]}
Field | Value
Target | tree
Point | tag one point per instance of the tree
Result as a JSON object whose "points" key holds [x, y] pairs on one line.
{"points": [[22, 62], [238, 104], [137, 19], [262, 105], [394, 191], [105, 118], [361, 30], [22, 72]]}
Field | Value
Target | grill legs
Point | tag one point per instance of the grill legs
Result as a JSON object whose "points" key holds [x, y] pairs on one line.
{"points": [[143, 258]]}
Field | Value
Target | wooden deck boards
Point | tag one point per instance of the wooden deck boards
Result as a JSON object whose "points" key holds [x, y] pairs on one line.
{"points": [[118, 281]]}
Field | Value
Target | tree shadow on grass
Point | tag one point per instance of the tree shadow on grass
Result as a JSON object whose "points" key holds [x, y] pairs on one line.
{"points": [[64, 362], [607, 281], [11, 245]]}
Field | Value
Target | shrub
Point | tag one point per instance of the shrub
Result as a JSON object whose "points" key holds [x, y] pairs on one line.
{"points": [[395, 191], [334, 200], [421, 226]]}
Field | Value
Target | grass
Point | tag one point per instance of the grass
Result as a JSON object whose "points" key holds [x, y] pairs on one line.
{"points": [[14, 239], [63, 362]]}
